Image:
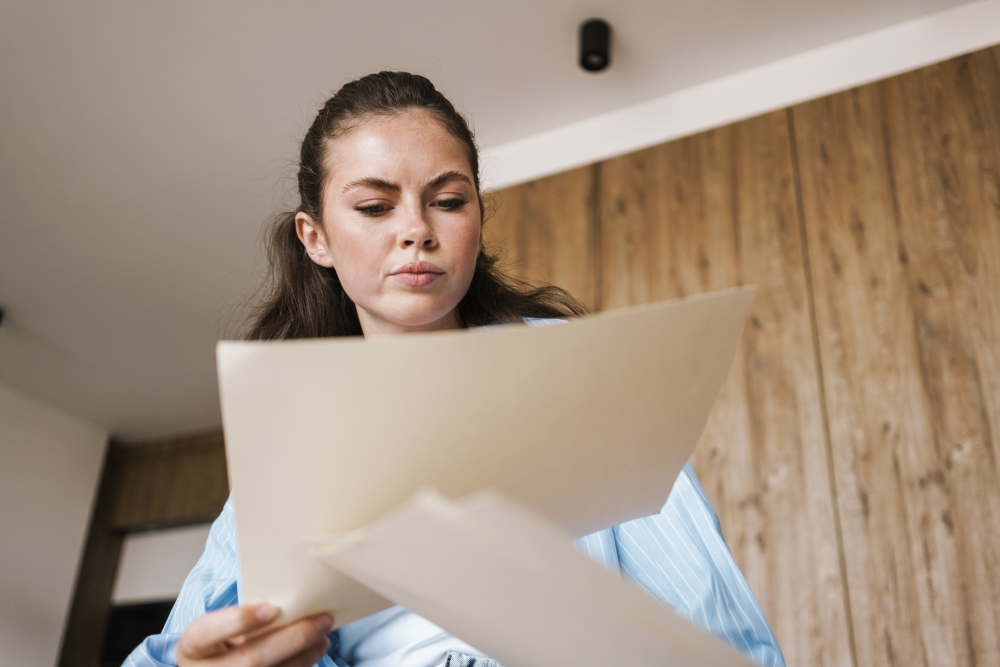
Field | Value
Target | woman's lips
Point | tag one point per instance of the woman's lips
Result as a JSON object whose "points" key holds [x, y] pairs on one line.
{"points": [[418, 274]]}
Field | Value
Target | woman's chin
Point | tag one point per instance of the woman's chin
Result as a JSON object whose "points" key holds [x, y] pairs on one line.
{"points": [[413, 315]]}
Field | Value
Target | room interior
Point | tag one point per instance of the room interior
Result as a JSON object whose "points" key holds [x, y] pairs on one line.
{"points": [[844, 158]]}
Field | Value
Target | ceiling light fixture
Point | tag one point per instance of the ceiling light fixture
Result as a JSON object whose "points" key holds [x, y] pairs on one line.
{"points": [[595, 45]]}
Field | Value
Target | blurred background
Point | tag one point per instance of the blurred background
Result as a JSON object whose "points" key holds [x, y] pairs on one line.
{"points": [[843, 156]]}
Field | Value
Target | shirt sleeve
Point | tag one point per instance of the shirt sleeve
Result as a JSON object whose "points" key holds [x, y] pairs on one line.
{"points": [[680, 557]]}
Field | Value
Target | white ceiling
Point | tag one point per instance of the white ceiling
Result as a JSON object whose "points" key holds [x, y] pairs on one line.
{"points": [[142, 145]]}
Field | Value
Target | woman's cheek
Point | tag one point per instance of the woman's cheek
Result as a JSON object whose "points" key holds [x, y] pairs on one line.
{"points": [[470, 242], [359, 264]]}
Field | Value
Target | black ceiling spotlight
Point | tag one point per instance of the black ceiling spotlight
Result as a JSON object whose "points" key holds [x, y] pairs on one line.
{"points": [[595, 45]]}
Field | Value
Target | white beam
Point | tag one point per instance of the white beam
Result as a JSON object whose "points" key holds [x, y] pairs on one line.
{"points": [[839, 66]]}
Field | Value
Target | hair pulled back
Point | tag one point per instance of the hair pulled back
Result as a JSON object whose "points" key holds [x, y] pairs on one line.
{"points": [[302, 299]]}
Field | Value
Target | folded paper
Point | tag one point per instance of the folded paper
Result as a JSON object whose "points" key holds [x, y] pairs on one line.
{"points": [[510, 583], [588, 423]]}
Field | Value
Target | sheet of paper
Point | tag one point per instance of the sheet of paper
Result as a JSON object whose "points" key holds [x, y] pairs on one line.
{"points": [[587, 422], [509, 582]]}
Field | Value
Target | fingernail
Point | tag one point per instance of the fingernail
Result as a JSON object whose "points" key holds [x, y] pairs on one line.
{"points": [[323, 622], [267, 612], [322, 646]]}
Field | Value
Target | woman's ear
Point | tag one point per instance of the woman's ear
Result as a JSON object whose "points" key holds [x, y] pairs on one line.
{"points": [[314, 239]]}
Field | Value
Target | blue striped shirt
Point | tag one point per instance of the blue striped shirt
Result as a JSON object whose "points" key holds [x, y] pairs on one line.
{"points": [[678, 556]]}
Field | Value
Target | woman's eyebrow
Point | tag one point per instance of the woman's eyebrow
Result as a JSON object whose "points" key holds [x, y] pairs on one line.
{"points": [[447, 177], [373, 183]]}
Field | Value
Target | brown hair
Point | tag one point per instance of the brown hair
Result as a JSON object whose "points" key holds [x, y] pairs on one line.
{"points": [[305, 300]]}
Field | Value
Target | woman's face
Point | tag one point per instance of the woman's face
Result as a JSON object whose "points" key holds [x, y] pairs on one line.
{"points": [[401, 223]]}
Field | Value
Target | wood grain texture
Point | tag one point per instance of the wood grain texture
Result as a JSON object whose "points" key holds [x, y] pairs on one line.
{"points": [[718, 210], [546, 231], [83, 637], [174, 481], [902, 210]]}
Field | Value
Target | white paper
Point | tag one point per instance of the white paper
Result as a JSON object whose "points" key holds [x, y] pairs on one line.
{"points": [[509, 583], [587, 422]]}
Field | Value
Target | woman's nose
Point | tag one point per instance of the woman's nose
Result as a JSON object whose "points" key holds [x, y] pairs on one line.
{"points": [[417, 232]]}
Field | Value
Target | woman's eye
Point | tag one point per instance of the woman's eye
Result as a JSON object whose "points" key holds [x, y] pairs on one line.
{"points": [[372, 210], [450, 204]]}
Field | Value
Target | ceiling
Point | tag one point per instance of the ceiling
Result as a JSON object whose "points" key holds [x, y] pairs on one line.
{"points": [[142, 145]]}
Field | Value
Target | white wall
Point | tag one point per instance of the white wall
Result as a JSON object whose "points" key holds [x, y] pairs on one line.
{"points": [[49, 468], [154, 564]]}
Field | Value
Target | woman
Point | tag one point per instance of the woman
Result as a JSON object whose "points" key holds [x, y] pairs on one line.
{"points": [[387, 240]]}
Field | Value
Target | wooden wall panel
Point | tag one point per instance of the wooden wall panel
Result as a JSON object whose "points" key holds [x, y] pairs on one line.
{"points": [[902, 211], [547, 229], [177, 481], [712, 211]]}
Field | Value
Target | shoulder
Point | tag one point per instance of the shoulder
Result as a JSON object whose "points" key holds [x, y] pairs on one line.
{"points": [[530, 321], [542, 321], [213, 582]]}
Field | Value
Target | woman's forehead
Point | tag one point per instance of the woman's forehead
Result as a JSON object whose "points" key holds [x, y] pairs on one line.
{"points": [[411, 146]]}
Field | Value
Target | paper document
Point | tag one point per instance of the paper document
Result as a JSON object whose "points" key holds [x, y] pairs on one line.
{"points": [[510, 583], [587, 423]]}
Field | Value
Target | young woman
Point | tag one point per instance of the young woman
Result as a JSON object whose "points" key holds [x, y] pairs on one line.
{"points": [[387, 239]]}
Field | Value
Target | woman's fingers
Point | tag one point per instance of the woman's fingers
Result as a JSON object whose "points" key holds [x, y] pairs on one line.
{"points": [[298, 641], [220, 638], [207, 635]]}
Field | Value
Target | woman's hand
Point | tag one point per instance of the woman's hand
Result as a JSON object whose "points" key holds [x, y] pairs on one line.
{"points": [[218, 638]]}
